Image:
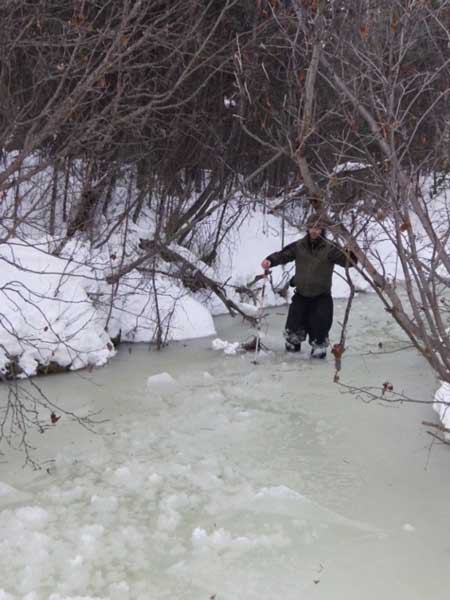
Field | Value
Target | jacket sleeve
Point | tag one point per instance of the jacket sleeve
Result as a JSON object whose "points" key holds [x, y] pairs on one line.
{"points": [[284, 256], [337, 256]]}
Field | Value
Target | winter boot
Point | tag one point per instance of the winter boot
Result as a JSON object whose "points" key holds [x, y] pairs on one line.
{"points": [[293, 341], [319, 350], [290, 347]]}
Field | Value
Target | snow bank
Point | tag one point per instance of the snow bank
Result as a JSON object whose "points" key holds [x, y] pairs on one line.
{"points": [[59, 313], [136, 311], [443, 410], [46, 316]]}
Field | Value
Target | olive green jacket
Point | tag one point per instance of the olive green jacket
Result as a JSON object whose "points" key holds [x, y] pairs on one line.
{"points": [[314, 264]]}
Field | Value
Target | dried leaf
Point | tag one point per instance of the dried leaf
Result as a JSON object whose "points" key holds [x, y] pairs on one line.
{"points": [[406, 226], [76, 21], [364, 31], [54, 419], [337, 350], [387, 387]]}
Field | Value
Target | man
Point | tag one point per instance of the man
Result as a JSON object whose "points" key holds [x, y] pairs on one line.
{"points": [[311, 311]]}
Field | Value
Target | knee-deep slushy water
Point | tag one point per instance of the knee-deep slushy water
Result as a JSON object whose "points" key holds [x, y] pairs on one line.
{"points": [[235, 481]]}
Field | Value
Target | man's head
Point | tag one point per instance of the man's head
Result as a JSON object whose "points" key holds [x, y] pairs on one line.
{"points": [[316, 227], [315, 233]]}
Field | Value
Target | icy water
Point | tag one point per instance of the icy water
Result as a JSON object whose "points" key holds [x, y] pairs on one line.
{"points": [[235, 481]]}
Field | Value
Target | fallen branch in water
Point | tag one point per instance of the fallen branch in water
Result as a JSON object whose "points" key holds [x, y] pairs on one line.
{"points": [[437, 426], [385, 394], [437, 437]]}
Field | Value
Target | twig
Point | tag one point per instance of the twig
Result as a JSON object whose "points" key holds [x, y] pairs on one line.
{"points": [[437, 426], [437, 437], [339, 349]]}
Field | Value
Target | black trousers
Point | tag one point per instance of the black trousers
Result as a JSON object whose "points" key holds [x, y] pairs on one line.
{"points": [[310, 317]]}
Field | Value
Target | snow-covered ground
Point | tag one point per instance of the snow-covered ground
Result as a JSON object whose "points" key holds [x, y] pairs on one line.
{"points": [[217, 478], [46, 315]]}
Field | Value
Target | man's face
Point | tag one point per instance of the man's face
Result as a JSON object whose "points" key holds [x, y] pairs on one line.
{"points": [[315, 232]]}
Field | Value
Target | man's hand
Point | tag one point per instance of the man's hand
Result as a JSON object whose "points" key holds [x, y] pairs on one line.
{"points": [[266, 264]]}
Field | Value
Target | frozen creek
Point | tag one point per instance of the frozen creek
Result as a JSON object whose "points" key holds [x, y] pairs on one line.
{"points": [[236, 481]]}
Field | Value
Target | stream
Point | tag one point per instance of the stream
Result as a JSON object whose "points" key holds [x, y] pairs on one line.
{"points": [[229, 480]]}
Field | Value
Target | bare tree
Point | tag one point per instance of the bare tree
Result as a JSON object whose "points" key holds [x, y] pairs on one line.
{"points": [[364, 119]]}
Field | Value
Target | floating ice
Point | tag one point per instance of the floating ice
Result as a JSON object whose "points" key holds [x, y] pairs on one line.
{"points": [[279, 491], [227, 347], [33, 516], [223, 539], [6, 490], [160, 379], [58, 597], [104, 504]]}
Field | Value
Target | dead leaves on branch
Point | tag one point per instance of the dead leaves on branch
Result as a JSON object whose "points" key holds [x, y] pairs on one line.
{"points": [[337, 351], [54, 418], [364, 29], [406, 226], [386, 387], [364, 32], [394, 24]]}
